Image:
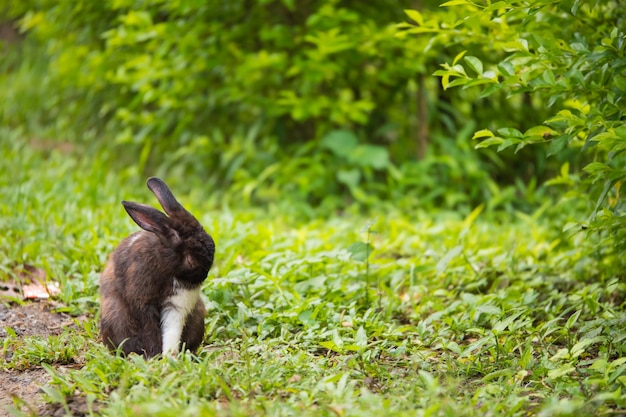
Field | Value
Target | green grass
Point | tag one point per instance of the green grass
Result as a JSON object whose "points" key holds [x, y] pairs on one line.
{"points": [[489, 314]]}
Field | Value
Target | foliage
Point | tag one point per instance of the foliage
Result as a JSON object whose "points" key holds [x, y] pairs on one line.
{"points": [[434, 314], [246, 98], [189, 85], [567, 56]]}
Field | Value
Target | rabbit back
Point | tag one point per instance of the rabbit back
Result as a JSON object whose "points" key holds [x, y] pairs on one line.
{"points": [[132, 289]]}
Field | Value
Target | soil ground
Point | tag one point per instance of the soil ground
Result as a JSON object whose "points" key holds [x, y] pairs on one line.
{"points": [[34, 318]]}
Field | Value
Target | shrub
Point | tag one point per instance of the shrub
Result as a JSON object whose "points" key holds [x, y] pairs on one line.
{"points": [[569, 59]]}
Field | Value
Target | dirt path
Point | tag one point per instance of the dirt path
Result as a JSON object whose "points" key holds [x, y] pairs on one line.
{"points": [[23, 384], [31, 319]]}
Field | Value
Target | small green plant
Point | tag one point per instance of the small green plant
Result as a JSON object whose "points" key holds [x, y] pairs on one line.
{"points": [[361, 251]]}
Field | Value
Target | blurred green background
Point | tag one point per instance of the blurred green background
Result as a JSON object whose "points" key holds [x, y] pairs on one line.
{"points": [[326, 105]]}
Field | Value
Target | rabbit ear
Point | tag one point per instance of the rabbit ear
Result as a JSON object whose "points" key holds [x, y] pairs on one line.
{"points": [[149, 218], [165, 196]]}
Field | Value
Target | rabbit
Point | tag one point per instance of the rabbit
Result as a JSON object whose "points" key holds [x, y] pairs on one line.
{"points": [[150, 286]]}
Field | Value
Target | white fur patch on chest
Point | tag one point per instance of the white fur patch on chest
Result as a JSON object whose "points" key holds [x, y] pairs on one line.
{"points": [[174, 315]]}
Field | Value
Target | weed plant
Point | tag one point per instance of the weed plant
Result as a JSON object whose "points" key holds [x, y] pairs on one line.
{"points": [[412, 314]]}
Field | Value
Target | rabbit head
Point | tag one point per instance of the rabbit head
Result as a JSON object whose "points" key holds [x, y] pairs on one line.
{"points": [[179, 232]]}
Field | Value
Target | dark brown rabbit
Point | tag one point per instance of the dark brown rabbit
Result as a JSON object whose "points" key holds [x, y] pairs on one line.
{"points": [[150, 287]]}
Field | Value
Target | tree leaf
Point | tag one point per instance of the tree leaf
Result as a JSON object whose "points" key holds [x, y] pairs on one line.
{"points": [[454, 3], [415, 15], [458, 57], [374, 156], [489, 142], [349, 177], [475, 64], [510, 132], [506, 68], [482, 134], [458, 81], [507, 143], [557, 145], [340, 142], [540, 130]]}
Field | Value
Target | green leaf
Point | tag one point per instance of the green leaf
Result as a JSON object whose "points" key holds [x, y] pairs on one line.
{"points": [[458, 81], [469, 220], [352, 348], [548, 77], [572, 319], [458, 57], [445, 81], [415, 16], [507, 143], [497, 5], [360, 251], [489, 309], [374, 156], [557, 145], [361, 337], [599, 365], [482, 134], [490, 75], [506, 68], [510, 132], [475, 345], [618, 362], [336, 339], [479, 81], [489, 142], [561, 371], [330, 345], [565, 169], [447, 258], [306, 317], [618, 372], [453, 347], [543, 131], [599, 171], [454, 3], [475, 64], [501, 325], [428, 379], [579, 348], [340, 142], [349, 177], [621, 132], [604, 136]]}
